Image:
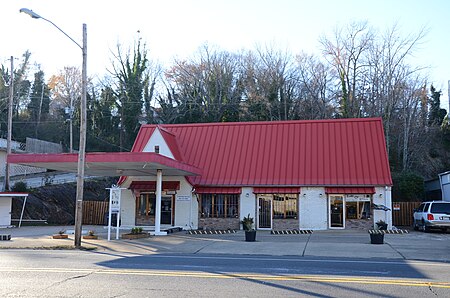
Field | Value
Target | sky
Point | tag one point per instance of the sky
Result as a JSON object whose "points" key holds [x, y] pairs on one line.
{"points": [[177, 28]]}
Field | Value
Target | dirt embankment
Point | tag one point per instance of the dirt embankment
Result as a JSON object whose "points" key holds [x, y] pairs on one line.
{"points": [[56, 203]]}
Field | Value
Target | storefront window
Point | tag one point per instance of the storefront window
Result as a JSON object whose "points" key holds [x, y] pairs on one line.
{"points": [[357, 206], [285, 206], [219, 205]]}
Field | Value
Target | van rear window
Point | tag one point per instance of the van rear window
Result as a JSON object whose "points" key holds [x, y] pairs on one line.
{"points": [[440, 208]]}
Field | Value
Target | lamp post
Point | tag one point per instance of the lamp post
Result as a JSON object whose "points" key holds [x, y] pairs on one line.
{"points": [[82, 147]]}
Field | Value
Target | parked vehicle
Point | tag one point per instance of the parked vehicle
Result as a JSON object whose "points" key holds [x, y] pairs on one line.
{"points": [[429, 215]]}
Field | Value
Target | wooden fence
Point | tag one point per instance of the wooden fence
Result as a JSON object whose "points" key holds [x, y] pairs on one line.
{"points": [[94, 212], [402, 213]]}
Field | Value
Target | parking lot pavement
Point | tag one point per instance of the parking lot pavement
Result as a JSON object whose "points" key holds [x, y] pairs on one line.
{"points": [[433, 246], [337, 244]]}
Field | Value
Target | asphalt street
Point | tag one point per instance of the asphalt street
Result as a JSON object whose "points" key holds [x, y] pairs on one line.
{"points": [[44, 273], [321, 264]]}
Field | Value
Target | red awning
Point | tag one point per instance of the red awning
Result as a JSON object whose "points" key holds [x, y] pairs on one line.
{"points": [[284, 190], [151, 185], [218, 190], [350, 190]]}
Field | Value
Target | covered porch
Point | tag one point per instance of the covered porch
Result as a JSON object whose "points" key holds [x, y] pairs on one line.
{"points": [[119, 164]]}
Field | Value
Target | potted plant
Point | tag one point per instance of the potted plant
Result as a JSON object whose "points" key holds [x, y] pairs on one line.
{"points": [[382, 225], [90, 235], [377, 235], [247, 225], [61, 235]]}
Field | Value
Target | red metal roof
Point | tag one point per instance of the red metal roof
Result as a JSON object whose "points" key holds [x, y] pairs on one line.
{"points": [[350, 190], [338, 152]]}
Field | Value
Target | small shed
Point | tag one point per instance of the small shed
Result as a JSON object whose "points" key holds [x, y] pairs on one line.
{"points": [[444, 179], [5, 207]]}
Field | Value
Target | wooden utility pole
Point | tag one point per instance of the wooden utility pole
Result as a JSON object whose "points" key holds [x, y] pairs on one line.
{"points": [[82, 148]]}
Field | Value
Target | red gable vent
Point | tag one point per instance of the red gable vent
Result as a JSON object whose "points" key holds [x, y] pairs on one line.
{"points": [[151, 185], [270, 190], [350, 190], [218, 190]]}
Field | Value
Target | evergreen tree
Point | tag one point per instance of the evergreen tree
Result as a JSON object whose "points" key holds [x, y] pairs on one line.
{"points": [[436, 114], [38, 107], [132, 78]]}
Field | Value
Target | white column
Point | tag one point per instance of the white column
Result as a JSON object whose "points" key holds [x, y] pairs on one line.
{"points": [[158, 203], [388, 203]]}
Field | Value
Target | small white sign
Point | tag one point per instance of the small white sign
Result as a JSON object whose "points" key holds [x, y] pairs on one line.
{"points": [[356, 198], [115, 200], [183, 198]]}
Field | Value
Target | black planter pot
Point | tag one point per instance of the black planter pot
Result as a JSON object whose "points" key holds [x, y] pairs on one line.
{"points": [[377, 238], [250, 236]]}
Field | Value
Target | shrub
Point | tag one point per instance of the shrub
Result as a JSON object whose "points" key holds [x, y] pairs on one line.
{"points": [[137, 230], [20, 186]]}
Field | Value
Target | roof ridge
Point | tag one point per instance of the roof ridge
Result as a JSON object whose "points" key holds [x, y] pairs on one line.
{"points": [[163, 126], [160, 127]]}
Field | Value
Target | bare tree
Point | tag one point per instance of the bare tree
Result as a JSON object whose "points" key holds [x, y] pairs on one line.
{"points": [[314, 91], [347, 53], [207, 88], [389, 71]]}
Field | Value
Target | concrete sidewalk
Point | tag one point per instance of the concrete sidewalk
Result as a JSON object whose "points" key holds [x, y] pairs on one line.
{"points": [[323, 244]]}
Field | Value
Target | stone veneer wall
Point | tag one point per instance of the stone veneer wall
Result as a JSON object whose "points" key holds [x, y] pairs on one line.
{"points": [[218, 223], [285, 224]]}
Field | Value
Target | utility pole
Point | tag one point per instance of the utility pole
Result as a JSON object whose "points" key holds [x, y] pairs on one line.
{"points": [[8, 140], [82, 148]]}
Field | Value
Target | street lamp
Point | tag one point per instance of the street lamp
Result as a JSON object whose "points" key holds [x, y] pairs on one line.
{"points": [[82, 148]]}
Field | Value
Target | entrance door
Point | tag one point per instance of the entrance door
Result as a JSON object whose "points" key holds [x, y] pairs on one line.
{"points": [[145, 209], [337, 211], [166, 210], [264, 212]]}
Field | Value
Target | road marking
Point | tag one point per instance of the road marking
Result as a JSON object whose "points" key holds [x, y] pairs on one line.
{"points": [[226, 275], [303, 260], [271, 258]]}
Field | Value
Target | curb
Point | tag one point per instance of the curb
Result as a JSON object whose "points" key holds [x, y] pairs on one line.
{"points": [[215, 232], [290, 232], [388, 232]]}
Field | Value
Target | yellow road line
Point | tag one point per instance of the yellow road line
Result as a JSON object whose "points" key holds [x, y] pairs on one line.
{"points": [[305, 278]]}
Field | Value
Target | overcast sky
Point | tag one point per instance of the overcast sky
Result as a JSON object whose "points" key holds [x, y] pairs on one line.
{"points": [[177, 28]]}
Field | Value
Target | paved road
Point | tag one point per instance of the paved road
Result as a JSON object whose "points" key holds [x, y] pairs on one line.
{"points": [[30, 273]]}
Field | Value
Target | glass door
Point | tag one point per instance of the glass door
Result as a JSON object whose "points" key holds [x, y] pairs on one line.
{"points": [[166, 210], [337, 211], [145, 209], [264, 212]]}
